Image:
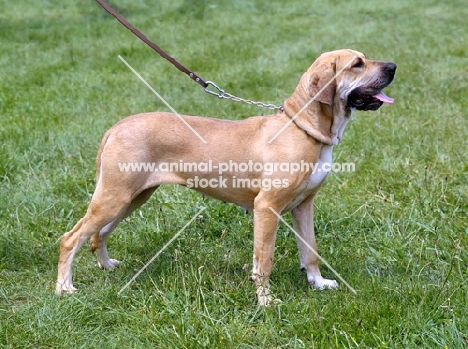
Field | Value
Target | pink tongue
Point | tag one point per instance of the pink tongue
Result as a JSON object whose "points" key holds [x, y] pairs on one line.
{"points": [[383, 97]]}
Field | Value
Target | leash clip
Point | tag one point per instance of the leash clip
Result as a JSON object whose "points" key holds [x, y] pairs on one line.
{"points": [[221, 93]]}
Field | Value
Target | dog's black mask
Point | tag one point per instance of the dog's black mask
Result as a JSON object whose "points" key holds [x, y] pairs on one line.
{"points": [[372, 97]]}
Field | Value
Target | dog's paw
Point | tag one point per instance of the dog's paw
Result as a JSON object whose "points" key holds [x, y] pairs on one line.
{"points": [[319, 283], [265, 298], [61, 289], [109, 264]]}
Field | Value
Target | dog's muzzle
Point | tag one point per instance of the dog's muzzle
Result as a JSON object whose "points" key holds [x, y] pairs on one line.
{"points": [[372, 97]]}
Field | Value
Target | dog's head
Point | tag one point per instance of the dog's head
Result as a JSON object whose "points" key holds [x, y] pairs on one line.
{"points": [[334, 85], [348, 75]]}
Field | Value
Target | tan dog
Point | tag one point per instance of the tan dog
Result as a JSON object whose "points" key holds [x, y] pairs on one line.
{"points": [[337, 83]]}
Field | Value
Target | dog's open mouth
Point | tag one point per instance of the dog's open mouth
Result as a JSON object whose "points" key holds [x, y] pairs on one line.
{"points": [[383, 97], [367, 99]]}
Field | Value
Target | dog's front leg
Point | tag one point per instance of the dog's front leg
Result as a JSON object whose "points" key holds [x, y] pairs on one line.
{"points": [[265, 226], [303, 224]]}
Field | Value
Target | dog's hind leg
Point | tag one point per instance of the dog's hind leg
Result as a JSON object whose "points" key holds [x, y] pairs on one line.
{"points": [[99, 245], [105, 207], [99, 240]]}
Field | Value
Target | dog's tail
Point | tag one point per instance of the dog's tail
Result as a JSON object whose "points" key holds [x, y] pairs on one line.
{"points": [[98, 156]]}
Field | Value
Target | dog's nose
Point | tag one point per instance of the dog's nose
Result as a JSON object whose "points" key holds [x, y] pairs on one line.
{"points": [[390, 67]]}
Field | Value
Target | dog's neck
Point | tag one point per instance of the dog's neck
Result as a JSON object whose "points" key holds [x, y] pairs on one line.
{"points": [[320, 121]]}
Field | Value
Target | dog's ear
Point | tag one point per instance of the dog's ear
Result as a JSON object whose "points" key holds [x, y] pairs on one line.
{"points": [[323, 84]]}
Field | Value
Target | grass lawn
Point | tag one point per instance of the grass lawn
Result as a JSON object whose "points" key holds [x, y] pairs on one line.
{"points": [[395, 228]]}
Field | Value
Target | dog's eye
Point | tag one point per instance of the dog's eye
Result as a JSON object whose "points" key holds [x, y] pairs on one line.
{"points": [[359, 64]]}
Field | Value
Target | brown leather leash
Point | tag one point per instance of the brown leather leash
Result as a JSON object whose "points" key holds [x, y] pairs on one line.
{"points": [[206, 84]]}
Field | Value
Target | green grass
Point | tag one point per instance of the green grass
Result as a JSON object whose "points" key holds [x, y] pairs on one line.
{"points": [[395, 229]]}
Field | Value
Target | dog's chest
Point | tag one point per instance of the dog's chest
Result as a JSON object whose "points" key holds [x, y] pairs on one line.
{"points": [[320, 170]]}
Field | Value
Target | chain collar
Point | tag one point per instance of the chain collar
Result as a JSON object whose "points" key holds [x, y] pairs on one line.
{"points": [[223, 94]]}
